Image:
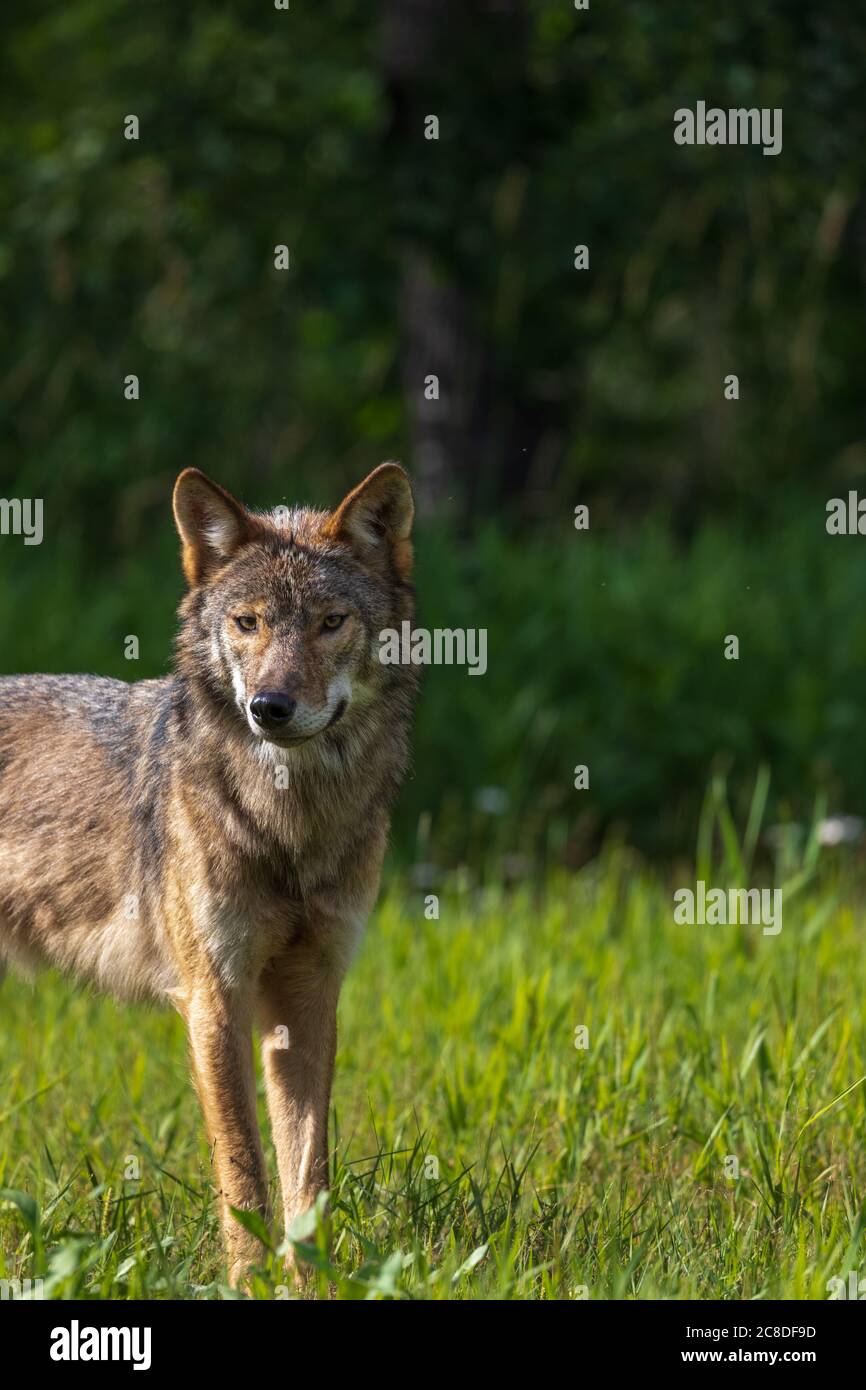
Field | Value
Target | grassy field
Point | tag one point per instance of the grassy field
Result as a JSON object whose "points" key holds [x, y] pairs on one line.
{"points": [[479, 1153]]}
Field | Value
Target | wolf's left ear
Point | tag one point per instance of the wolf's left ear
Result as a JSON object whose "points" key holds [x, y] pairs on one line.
{"points": [[376, 517], [212, 525]]}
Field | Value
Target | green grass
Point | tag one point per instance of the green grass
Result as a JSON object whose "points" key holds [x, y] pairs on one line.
{"points": [[479, 1153]]}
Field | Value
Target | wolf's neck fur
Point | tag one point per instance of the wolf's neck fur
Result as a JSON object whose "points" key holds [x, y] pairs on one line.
{"points": [[299, 811]]}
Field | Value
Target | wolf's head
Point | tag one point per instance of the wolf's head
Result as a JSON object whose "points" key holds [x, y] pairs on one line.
{"points": [[286, 607]]}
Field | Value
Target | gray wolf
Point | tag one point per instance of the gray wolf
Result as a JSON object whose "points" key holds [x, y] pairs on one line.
{"points": [[214, 839]]}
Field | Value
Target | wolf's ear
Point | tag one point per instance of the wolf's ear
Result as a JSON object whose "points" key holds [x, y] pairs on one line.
{"points": [[376, 517], [212, 525]]}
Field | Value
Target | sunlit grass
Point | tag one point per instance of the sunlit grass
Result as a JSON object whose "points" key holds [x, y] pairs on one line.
{"points": [[478, 1152]]}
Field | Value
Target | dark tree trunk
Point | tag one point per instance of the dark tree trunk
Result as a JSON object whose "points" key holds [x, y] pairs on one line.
{"points": [[465, 436]]}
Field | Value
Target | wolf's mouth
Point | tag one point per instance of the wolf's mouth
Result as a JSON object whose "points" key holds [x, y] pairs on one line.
{"points": [[298, 739]]}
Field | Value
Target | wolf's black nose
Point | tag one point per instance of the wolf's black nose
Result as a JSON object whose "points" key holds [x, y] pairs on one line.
{"points": [[272, 710]]}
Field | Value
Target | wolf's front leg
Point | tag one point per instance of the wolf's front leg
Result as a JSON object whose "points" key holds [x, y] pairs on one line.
{"points": [[219, 1022], [298, 1013]]}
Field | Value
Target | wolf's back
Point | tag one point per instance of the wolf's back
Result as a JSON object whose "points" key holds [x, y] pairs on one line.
{"points": [[69, 839]]}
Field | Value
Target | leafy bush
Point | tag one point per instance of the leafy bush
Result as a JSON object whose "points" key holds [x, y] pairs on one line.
{"points": [[603, 650]]}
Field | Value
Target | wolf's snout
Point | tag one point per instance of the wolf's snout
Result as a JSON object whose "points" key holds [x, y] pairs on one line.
{"points": [[271, 709]]}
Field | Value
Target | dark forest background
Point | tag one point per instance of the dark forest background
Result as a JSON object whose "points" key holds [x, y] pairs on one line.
{"points": [[558, 387]]}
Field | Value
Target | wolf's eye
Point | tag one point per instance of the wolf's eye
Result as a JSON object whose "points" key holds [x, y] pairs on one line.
{"points": [[333, 621], [247, 622]]}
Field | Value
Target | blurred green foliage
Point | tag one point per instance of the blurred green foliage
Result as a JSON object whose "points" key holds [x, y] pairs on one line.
{"points": [[261, 127], [599, 655]]}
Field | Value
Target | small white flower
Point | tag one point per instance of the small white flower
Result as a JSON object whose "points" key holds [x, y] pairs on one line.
{"points": [[839, 830]]}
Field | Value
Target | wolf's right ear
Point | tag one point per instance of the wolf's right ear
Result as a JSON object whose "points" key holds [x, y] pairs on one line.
{"points": [[212, 525]]}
